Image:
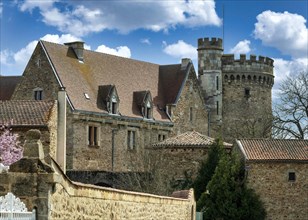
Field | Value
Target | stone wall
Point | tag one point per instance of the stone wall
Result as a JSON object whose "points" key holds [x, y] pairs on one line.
{"points": [[282, 199], [190, 114], [38, 74], [45, 187]]}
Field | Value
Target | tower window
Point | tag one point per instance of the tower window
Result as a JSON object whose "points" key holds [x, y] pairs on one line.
{"points": [[217, 82], [217, 107], [292, 176], [247, 92]]}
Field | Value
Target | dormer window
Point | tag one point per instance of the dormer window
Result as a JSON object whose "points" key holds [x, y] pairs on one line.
{"points": [[148, 112], [108, 99], [143, 99], [113, 104]]}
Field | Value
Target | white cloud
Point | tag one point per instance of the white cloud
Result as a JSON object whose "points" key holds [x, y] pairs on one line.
{"points": [[122, 51], [285, 31], [124, 16], [31, 4], [18, 60], [145, 41], [180, 50], [284, 68], [242, 47], [1, 9]]}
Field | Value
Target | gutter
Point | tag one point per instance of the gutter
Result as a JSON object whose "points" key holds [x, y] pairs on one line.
{"points": [[242, 149]]}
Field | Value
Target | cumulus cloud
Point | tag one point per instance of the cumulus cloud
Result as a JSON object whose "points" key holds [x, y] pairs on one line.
{"points": [[241, 47], [285, 31], [180, 50], [284, 68], [122, 51], [95, 16], [19, 59]]}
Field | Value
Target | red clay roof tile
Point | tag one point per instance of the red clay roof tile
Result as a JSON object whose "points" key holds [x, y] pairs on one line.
{"points": [[274, 149], [25, 113]]}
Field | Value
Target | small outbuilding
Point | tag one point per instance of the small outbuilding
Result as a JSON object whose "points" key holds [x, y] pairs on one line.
{"points": [[277, 171]]}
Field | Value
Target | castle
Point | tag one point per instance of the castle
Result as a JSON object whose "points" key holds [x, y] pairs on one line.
{"points": [[237, 92]]}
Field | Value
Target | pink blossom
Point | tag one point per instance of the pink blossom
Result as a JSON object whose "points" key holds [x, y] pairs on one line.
{"points": [[10, 149]]}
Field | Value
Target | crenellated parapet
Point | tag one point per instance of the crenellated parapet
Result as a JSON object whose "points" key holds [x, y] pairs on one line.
{"points": [[229, 59], [207, 43], [254, 69]]}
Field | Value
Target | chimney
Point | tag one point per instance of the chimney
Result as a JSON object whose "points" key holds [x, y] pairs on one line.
{"points": [[61, 133], [184, 63], [78, 47]]}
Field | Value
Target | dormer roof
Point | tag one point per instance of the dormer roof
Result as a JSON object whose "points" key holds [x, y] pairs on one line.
{"points": [[127, 75]]}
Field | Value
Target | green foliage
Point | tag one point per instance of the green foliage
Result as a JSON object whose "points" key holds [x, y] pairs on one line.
{"points": [[227, 196], [207, 169]]}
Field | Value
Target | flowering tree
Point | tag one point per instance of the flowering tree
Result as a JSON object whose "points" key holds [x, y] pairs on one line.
{"points": [[10, 149]]}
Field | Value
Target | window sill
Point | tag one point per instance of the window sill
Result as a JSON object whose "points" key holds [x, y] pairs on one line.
{"points": [[93, 146]]}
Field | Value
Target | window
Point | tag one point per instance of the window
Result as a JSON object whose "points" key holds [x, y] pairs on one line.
{"points": [[217, 107], [148, 110], [161, 137], [113, 105], [93, 136], [292, 176], [131, 140], [38, 94], [247, 92], [190, 114], [217, 82]]}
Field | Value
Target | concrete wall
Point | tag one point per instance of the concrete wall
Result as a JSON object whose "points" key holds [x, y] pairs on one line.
{"points": [[282, 199]]}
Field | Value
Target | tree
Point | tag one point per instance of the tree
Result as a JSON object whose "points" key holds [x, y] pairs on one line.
{"points": [[207, 168], [10, 149], [291, 110], [227, 196]]}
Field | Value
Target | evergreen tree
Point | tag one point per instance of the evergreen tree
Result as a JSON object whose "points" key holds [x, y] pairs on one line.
{"points": [[228, 197], [207, 169]]}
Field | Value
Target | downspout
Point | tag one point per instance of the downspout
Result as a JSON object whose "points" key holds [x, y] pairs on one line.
{"points": [[61, 133]]}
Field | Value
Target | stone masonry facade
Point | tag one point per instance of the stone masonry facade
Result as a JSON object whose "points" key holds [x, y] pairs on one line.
{"points": [[44, 187], [112, 153], [283, 199], [237, 92]]}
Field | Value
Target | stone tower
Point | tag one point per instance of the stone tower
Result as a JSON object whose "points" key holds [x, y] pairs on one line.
{"points": [[210, 77], [237, 92]]}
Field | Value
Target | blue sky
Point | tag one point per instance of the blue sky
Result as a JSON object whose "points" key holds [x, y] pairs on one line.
{"points": [[161, 32]]}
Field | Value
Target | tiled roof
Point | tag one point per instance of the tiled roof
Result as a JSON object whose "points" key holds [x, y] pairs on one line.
{"points": [[274, 149], [182, 194], [190, 138], [25, 113], [127, 75], [7, 86]]}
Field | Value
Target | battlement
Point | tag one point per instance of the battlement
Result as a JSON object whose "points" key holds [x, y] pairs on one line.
{"points": [[207, 43], [229, 59]]}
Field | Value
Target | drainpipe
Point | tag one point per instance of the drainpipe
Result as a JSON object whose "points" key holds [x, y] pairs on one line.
{"points": [[61, 133], [114, 131]]}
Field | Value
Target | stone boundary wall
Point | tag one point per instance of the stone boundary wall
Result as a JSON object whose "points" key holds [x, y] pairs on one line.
{"points": [[72, 200]]}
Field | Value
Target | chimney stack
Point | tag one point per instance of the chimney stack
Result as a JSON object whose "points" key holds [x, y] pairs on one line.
{"points": [[78, 47]]}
